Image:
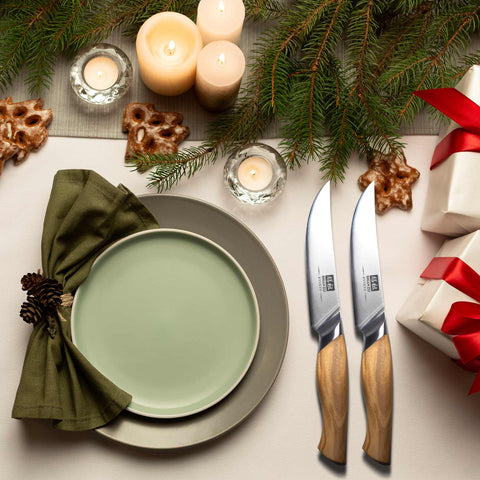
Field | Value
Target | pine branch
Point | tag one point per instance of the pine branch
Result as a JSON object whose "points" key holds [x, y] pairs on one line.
{"points": [[170, 168], [374, 123], [39, 75], [313, 88], [21, 29], [63, 27], [301, 21], [264, 9], [410, 34], [327, 108], [444, 43]]}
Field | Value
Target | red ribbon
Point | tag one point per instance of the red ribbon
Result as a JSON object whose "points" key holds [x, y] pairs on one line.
{"points": [[463, 319], [461, 110]]}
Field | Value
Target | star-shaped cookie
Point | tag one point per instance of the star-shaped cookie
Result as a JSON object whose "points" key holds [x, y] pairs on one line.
{"points": [[393, 181]]}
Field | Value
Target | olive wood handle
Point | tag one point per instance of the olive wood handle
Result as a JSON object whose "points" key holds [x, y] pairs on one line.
{"points": [[332, 379], [377, 384]]}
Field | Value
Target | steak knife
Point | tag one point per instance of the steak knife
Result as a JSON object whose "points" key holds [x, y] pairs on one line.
{"points": [[367, 291], [324, 307]]}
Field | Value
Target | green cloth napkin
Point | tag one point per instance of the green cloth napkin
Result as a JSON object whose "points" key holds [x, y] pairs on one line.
{"points": [[85, 215]]}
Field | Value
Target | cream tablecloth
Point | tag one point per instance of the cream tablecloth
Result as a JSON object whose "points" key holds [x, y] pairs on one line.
{"points": [[436, 425]]}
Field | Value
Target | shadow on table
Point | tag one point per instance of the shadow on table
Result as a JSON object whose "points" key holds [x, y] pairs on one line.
{"points": [[336, 468], [40, 434], [381, 468]]}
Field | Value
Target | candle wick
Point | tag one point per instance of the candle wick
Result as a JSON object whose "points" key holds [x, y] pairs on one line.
{"points": [[170, 48]]}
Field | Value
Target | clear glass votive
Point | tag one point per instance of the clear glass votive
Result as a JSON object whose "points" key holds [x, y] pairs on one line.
{"points": [[101, 74], [255, 174]]}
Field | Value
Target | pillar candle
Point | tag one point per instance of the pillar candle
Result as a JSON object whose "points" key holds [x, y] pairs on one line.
{"points": [[220, 20], [220, 70], [168, 45]]}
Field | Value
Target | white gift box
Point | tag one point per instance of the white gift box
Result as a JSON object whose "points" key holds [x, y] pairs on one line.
{"points": [[452, 206], [429, 303]]}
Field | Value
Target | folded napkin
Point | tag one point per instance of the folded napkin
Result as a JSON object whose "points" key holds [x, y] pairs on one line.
{"points": [[85, 215]]}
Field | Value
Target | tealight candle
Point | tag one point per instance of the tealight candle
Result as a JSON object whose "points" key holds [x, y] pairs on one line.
{"points": [[220, 69], [255, 173], [220, 20], [168, 45], [100, 73]]}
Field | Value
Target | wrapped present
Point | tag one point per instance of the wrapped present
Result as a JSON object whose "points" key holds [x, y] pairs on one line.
{"points": [[444, 307], [452, 206]]}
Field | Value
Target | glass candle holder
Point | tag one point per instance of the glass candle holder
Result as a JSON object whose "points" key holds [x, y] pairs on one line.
{"points": [[101, 75], [255, 174]]}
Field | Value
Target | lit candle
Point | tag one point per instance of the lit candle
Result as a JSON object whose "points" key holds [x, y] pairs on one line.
{"points": [[100, 73], [255, 173], [220, 69], [168, 45], [220, 20]]}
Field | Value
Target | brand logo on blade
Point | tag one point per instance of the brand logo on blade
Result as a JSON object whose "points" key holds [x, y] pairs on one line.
{"points": [[327, 283], [372, 284]]}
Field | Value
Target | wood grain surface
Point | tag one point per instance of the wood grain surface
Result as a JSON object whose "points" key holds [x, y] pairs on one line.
{"points": [[377, 384], [332, 378]]}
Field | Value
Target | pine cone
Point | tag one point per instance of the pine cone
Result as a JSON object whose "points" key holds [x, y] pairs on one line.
{"points": [[31, 310], [30, 281], [48, 292]]}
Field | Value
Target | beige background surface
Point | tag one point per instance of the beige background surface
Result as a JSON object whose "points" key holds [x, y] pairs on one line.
{"points": [[436, 424]]}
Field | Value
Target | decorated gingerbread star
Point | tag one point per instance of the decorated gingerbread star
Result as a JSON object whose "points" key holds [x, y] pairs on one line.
{"points": [[393, 181]]}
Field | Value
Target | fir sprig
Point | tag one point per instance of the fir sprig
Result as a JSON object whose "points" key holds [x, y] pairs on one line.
{"points": [[265, 9], [329, 108], [328, 104], [170, 168]]}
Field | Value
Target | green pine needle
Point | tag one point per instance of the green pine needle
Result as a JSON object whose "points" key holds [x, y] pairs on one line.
{"points": [[338, 76]]}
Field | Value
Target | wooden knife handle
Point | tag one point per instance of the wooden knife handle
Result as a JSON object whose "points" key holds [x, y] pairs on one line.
{"points": [[332, 378], [377, 384]]}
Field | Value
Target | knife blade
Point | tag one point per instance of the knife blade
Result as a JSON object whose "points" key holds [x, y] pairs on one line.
{"points": [[325, 318], [369, 312]]}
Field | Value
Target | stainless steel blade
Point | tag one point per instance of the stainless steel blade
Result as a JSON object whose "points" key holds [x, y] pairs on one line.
{"points": [[367, 287], [322, 283]]}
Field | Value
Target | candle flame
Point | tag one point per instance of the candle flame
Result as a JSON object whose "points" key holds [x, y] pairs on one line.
{"points": [[170, 48], [99, 74], [253, 172], [221, 6], [221, 59]]}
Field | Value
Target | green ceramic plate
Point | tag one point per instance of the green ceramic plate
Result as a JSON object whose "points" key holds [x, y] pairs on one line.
{"points": [[171, 318], [203, 218]]}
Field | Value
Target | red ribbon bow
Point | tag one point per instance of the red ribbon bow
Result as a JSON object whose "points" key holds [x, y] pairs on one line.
{"points": [[461, 110], [463, 319]]}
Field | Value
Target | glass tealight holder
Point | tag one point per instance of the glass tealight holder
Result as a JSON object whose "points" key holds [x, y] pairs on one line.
{"points": [[255, 174], [101, 75]]}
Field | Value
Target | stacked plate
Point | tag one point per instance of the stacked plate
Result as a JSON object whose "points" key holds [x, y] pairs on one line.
{"points": [[190, 319]]}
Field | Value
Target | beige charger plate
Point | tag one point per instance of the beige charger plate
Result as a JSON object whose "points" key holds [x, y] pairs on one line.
{"points": [[174, 211]]}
